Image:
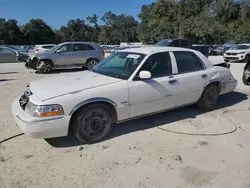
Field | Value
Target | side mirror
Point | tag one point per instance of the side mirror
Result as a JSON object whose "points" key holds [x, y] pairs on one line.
{"points": [[58, 51], [145, 75]]}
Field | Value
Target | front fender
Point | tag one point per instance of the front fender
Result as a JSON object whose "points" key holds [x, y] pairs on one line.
{"points": [[92, 100]]}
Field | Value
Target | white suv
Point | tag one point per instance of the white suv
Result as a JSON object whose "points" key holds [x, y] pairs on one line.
{"points": [[238, 53], [43, 48]]}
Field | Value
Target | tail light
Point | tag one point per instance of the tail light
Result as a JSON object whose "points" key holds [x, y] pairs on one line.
{"points": [[37, 50]]}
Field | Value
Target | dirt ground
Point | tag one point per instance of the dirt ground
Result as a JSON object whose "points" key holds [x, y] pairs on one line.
{"points": [[152, 152]]}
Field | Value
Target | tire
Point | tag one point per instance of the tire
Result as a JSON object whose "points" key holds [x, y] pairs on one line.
{"points": [[209, 98], [246, 80], [27, 66], [44, 67], [91, 63], [92, 124], [247, 59]]}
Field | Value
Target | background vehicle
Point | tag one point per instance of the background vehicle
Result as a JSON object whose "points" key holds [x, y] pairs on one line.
{"points": [[11, 54], [128, 84], [68, 55], [43, 48], [184, 43], [238, 53]]}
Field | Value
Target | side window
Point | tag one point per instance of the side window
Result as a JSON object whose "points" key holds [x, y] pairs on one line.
{"points": [[198, 64], [7, 51], [83, 47], [47, 47], [187, 62], [184, 43], [175, 43], [158, 64], [66, 48]]}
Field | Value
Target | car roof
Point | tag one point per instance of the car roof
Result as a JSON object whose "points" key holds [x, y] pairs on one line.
{"points": [[246, 44], [155, 49], [76, 43], [40, 45]]}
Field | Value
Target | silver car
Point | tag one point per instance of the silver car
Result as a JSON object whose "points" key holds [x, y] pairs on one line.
{"points": [[67, 55], [10, 54]]}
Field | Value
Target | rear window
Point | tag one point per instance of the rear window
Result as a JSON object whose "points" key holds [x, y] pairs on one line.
{"points": [[48, 47]]}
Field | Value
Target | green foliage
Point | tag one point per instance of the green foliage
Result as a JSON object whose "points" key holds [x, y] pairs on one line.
{"points": [[202, 21]]}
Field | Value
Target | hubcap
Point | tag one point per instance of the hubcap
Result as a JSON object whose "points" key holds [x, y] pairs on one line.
{"points": [[95, 124], [211, 97], [247, 74], [92, 64], [45, 67]]}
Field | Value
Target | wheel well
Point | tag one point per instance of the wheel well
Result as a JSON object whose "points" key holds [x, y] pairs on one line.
{"points": [[217, 83], [47, 60], [109, 105], [92, 58]]}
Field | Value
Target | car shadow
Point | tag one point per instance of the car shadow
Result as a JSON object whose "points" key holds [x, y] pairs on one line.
{"points": [[8, 72], [153, 120], [57, 71], [6, 80]]}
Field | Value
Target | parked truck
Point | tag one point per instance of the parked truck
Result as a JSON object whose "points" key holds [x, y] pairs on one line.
{"points": [[184, 43]]}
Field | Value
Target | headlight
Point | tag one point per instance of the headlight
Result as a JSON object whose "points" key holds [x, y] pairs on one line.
{"points": [[241, 52], [43, 111]]}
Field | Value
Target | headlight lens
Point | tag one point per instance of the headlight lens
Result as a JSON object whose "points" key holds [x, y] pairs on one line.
{"points": [[241, 52], [43, 111]]}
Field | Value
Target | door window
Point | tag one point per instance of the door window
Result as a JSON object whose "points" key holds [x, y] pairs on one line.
{"points": [[158, 64], [83, 47], [7, 51], [66, 48], [175, 43], [184, 43], [188, 62]]}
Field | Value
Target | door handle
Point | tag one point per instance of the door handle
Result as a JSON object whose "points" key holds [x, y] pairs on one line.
{"points": [[204, 76], [172, 82]]}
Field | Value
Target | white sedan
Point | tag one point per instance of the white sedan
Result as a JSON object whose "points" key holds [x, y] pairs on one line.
{"points": [[126, 85]]}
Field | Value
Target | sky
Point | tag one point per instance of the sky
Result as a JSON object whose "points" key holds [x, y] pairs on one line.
{"points": [[57, 12]]}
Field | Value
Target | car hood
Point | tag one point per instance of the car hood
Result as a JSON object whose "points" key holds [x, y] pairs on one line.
{"points": [[56, 86], [237, 51]]}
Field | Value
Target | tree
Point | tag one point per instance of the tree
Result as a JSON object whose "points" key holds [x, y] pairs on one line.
{"points": [[10, 32], [38, 32]]}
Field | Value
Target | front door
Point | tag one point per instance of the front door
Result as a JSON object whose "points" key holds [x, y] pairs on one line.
{"points": [[7, 55], [156, 94], [63, 56], [192, 77]]}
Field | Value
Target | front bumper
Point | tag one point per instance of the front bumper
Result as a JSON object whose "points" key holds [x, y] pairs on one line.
{"points": [[235, 58], [40, 127]]}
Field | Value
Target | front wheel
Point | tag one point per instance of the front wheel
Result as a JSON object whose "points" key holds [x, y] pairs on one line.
{"points": [[209, 98], [92, 123], [44, 67], [91, 63]]}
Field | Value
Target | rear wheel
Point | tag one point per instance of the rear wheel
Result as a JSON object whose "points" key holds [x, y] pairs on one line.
{"points": [[92, 123], [44, 67], [209, 98], [91, 63], [246, 76]]}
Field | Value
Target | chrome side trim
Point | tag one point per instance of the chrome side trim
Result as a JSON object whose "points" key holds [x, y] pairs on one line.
{"points": [[97, 99]]}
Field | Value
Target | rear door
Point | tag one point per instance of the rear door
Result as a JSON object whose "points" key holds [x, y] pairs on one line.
{"points": [[82, 52], [63, 56], [192, 77]]}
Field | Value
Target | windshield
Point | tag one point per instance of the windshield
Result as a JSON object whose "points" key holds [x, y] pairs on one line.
{"points": [[240, 47], [119, 65]]}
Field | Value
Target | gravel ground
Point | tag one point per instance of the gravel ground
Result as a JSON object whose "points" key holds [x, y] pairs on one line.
{"points": [[143, 153]]}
